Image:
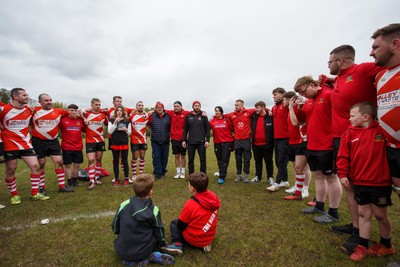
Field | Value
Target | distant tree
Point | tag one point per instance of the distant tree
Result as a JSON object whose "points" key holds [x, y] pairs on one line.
{"points": [[60, 105], [5, 95]]}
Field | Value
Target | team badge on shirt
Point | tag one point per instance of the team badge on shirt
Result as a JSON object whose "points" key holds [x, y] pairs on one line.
{"points": [[379, 138], [349, 79]]}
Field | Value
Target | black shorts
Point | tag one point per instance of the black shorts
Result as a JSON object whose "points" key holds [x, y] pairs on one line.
{"points": [[1, 149], [296, 150], [177, 147], [72, 156], [393, 156], [45, 148], [137, 147], [93, 147], [17, 154], [377, 195], [320, 160]]}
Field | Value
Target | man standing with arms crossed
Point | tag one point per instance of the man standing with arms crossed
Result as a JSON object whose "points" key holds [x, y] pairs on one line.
{"points": [[354, 84], [178, 117], [15, 118], [45, 127], [241, 120]]}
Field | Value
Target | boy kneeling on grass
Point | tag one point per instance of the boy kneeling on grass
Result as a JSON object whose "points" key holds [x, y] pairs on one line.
{"points": [[139, 227], [362, 163], [197, 223]]}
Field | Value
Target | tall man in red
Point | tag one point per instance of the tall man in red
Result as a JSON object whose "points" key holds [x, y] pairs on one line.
{"points": [[178, 117], [45, 127], [386, 52], [95, 141], [281, 136], [15, 118], [139, 121], [354, 84], [317, 114], [241, 120]]}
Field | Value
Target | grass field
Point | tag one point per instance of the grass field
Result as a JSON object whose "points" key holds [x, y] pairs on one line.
{"points": [[255, 228]]}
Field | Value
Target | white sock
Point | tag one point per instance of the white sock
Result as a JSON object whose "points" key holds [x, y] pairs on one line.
{"points": [[178, 170]]}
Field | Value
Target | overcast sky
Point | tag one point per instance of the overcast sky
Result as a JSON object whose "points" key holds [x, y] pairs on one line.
{"points": [[214, 51]]}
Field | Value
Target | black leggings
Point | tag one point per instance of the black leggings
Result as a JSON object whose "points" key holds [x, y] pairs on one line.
{"points": [[124, 157]]}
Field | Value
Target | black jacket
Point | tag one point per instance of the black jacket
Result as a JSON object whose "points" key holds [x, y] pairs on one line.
{"points": [[139, 228], [197, 129], [268, 126]]}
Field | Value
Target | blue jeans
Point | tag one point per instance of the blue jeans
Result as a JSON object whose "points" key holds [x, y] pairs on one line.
{"points": [[160, 154]]}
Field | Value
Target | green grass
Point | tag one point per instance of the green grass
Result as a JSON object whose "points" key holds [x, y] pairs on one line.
{"points": [[255, 228]]}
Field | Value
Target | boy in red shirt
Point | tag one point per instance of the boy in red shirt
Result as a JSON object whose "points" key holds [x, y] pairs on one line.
{"points": [[197, 223], [362, 162]]}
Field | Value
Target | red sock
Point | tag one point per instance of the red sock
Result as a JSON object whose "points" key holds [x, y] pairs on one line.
{"points": [[60, 177], [12, 186], [91, 173], [35, 178]]}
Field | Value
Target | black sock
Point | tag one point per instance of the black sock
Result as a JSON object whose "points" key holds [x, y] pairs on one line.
{"points": [[333, 212], [386, 242], [320, 205], [363, 242], [69, 182], [356, 231]]}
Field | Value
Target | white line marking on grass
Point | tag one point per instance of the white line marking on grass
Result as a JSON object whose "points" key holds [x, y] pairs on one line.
{"points": [[56, 220]]}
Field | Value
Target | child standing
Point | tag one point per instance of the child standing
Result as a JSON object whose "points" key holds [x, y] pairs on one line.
{"points": [[362, 161], [197, 223], [139, 227]]}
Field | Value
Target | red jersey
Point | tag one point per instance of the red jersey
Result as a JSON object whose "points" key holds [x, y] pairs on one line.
{"points": [[353, 85], [281, 126], [388, 87], [362, 156], [94, 128], [241, 122], [71, 132], [138, 125], [297, 134], [16, 127], [177, 123], [317, 113], [201, 217], [45, 123], [222, 130]]}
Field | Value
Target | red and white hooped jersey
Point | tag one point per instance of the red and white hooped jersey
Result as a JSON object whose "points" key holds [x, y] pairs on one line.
{"points": [[16, 127], [138, 124], [94, 128], [45, 123], [388, 97]]}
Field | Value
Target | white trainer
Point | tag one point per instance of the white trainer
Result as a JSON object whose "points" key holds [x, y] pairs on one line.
{"points": [[304, 193], [216, 174], [274, 187], [182, 176], [291, 190], [271, 180], [177, 176], [113, 180], [255, 180], [284, 184], [131, 179]]}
